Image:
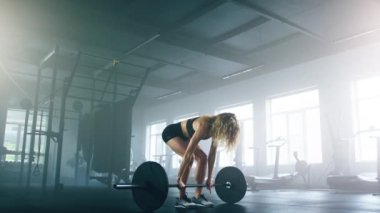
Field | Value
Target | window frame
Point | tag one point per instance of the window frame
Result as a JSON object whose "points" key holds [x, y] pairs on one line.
{"points": [[240, 145], [358, 140], [148, 155], [270, 153]]}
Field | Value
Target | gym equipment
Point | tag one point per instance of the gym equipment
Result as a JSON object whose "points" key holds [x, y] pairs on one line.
{"points": [[356, 182], [302, 169], [36, 170], [27, 105], [259, 183], [150, 185], [77, 106]]}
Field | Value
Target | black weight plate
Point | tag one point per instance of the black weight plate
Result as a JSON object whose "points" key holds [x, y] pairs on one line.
{"points": [[235, 192], [153, 176]]}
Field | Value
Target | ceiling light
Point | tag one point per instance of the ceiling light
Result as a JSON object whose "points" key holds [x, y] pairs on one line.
{"points": [[242, 72], [168, 95]]}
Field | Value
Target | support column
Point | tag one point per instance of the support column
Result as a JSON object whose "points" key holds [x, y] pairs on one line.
{"points": [[3, 115], [3, 106], [259, 126], [3, 119]]}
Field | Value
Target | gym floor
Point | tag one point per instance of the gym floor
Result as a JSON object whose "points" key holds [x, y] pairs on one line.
{"points": [[101, 200]]}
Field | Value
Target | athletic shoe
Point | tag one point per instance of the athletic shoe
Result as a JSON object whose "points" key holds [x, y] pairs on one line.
{"points": [[202, 200], [185, 202]]}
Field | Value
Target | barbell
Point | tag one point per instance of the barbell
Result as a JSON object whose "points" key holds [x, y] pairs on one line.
{"points": [[150, 185]]}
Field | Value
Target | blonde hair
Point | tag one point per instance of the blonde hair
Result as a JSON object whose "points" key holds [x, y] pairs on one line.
{"points": [[225, 130]]}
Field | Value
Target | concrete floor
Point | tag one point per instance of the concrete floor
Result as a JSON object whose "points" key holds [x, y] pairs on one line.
{"points": [[103, 200]]}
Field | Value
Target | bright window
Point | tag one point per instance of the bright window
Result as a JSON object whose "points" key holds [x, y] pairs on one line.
{"points": [[367, 114], [155, 146], [14, 132], [176, 159], [296, 118], [244, 114]]}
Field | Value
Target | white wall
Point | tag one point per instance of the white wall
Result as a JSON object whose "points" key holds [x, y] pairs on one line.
{"points": [[332, 75]]}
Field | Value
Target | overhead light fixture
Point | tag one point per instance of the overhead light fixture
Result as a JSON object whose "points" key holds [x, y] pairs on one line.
{"points": [[168, 95], [242, 72]]}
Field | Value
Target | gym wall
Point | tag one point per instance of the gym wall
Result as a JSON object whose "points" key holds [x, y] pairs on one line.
{"points": [[332, 75]]}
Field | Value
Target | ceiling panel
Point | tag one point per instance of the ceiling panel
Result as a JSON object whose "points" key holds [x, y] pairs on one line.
{"points": [[223, 19], [165, 52], [153, 92], [212, 65], [262, 35], [289, 8], [138, 60], [169, 72], [90, 61], [200, 41], [161, 13], [133, 71], [338, 19]]}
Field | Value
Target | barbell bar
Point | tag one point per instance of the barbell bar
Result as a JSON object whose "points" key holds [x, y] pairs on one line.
{"points": [[150, 185], [132, 186]]}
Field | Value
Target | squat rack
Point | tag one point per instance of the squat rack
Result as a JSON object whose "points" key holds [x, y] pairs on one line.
{"points": [[93, 95]]}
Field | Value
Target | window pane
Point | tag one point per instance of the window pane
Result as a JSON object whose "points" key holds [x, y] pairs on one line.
{"points": [[14, 135], [367, 115], [156, 147], [295, 102], [365, 148], [16, 116], [247, 139], [295, 118], [296, 136], [244, 113], [279, 129], [313, 136], [241, 112], [10, 140], [157, 128], [368, 88]]}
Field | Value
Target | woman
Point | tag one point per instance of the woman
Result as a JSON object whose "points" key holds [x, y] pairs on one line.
{"points": [[184, 138]]}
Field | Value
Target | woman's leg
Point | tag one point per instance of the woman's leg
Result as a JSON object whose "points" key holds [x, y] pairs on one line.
{"points": [[178, 145], [200, 171]]}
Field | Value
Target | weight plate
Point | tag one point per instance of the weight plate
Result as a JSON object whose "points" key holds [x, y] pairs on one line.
{"points": [[236, 191], [153, 176]]}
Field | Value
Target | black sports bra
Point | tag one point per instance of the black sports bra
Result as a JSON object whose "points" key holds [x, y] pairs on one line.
{"points": [[189, 126]]}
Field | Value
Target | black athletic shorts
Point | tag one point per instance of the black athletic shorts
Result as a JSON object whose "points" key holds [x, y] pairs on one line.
{"points": [[172, 131]]}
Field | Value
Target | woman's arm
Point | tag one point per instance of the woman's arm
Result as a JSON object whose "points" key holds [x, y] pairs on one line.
{"points": [[211, 162]]}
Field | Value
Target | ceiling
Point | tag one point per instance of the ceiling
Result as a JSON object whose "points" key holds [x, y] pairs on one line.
{"points": [[160, 50]]}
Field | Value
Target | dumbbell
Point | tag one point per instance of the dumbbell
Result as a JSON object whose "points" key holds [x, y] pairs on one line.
{"points": [[150, 185]]}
